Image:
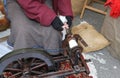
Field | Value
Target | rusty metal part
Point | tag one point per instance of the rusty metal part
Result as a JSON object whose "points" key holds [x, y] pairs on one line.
{"points": [[75, 54], [78, 37]]}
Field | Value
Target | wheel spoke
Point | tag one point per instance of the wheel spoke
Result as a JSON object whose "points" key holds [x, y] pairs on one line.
{"points": [[32, 60], [13, 69], [38, 66], [19, 61], [36, 62], [14, 75], [36, 72]]}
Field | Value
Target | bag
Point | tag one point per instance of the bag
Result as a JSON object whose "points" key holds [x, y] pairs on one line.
{"points": [[94, 39], [4, 23], [111, 30]]}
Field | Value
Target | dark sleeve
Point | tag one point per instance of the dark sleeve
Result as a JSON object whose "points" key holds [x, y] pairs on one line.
{"points": [[34, 9]]}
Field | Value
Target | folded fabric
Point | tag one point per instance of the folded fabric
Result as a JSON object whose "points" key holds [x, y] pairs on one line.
{"points": [[115, 7]]}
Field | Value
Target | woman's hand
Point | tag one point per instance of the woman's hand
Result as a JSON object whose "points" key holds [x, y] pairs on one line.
{"points": [[65, 26]]}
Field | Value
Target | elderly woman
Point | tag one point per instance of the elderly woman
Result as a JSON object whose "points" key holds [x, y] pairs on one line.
{"points": [[35, 23]]}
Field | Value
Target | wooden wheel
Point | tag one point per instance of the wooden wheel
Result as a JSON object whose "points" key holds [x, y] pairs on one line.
{"points": [[25, 63]]}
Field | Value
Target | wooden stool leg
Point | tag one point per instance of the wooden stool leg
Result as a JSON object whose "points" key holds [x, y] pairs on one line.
{"points": [[83, 10], [86, 6]]}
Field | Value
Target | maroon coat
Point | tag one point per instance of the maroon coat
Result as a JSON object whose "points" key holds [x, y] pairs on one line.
{"points": [[37, 10]]}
